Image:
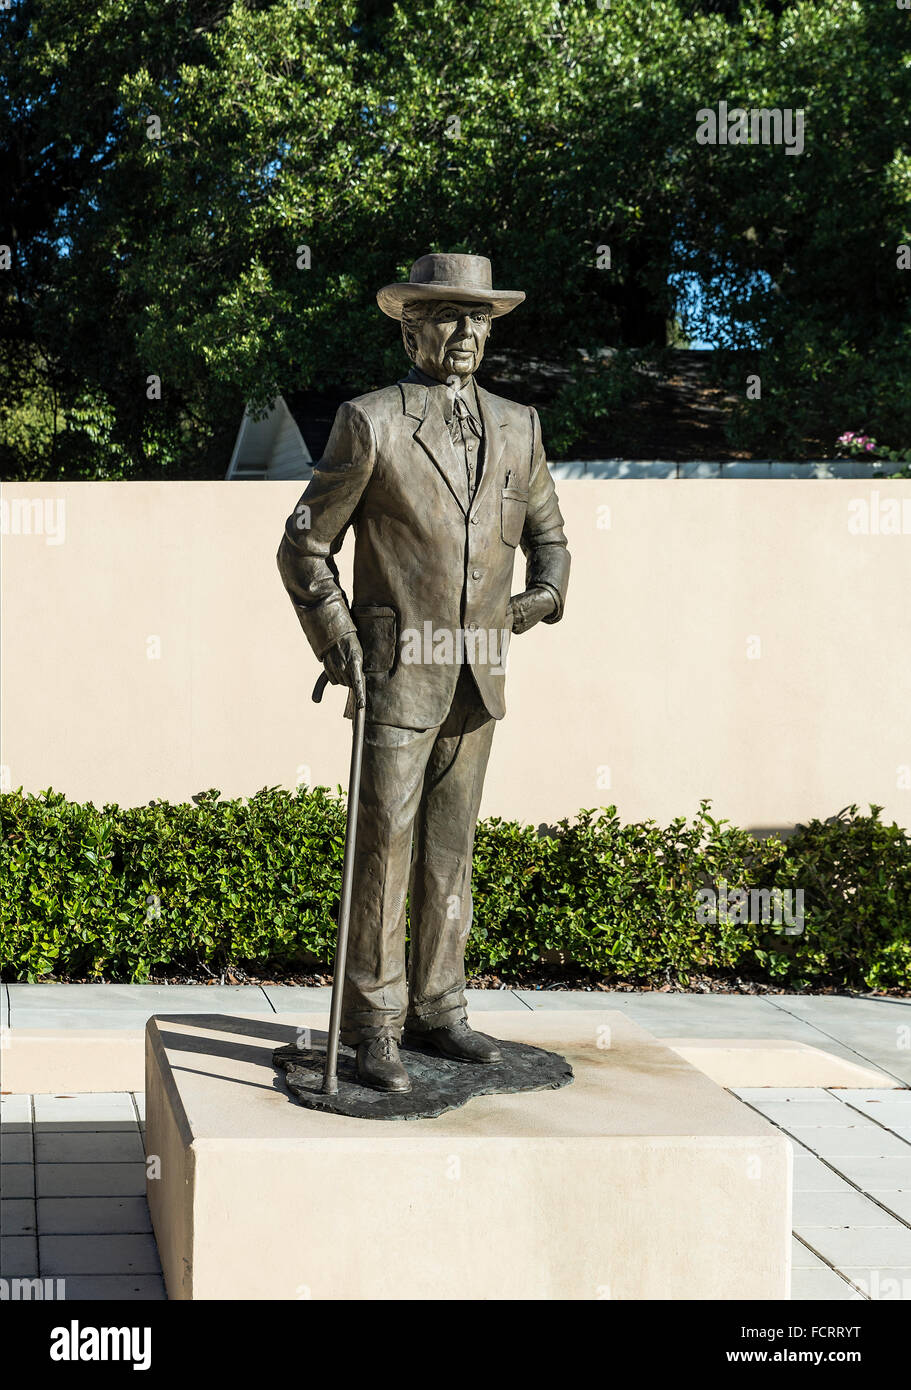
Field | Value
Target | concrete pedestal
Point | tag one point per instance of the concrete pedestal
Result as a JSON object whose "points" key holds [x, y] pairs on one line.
{"points": [[643, 1179]]}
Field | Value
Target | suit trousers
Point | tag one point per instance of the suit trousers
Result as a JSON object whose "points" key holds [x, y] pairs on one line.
{"points": [[419, 800]]}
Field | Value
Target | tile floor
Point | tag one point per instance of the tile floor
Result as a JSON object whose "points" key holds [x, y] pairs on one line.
{"points": [[72, 1204], [852, 1189], [72, 1196]]}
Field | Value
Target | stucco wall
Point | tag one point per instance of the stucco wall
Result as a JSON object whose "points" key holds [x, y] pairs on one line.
{"points": [[739, 640]]}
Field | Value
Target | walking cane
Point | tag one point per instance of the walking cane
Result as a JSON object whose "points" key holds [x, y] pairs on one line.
{"points": [[330, 1075]]}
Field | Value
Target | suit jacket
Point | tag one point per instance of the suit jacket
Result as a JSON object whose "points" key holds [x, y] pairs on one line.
{"points": [[423, 553]]}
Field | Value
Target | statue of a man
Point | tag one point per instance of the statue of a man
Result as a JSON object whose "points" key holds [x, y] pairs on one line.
{"points": [[441, 482]]}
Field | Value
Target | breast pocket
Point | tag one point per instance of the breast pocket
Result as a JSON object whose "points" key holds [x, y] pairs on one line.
{"points": [[513, 505], [376, 625]]}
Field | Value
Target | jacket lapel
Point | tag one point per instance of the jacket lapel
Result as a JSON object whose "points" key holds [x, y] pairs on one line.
{"points": [[495, 437], [433, 436]]}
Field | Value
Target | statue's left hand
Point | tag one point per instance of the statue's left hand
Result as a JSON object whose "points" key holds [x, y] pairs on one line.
{"points": [[530, 607]]}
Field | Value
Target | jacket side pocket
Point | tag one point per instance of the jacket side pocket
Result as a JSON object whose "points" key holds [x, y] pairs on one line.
{"points": [[376, 625], [513, 506]]}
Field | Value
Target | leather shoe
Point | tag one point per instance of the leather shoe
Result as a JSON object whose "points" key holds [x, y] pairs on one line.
{"points": [[379, 1065], [458, 1040]]}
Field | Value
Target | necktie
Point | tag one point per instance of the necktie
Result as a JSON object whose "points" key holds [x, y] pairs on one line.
{"points": [[462, 420], [465, 432]]}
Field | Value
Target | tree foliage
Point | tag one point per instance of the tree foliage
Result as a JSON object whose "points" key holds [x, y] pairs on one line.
{"points": [[532, 131]]}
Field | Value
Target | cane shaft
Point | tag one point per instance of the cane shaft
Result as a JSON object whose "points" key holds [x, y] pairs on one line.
{"points": [[330, 1076]]}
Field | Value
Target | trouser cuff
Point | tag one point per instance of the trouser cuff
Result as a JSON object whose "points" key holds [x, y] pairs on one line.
{"points": [[439, 1014], [366, 1032]]}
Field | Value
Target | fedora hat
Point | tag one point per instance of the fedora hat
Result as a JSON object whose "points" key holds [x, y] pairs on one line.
{"points": [[465, 279]]}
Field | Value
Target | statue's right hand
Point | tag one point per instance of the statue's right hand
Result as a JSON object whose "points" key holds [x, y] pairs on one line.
{"points": [[344, 664]]}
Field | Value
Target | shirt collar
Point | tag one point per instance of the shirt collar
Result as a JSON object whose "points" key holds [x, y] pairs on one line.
{"points": [[443, 395]]}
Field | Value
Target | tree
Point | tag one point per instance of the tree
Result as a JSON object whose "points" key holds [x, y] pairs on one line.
{"points": [[211, 195]]}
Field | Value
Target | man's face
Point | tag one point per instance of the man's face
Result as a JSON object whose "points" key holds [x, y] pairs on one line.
{"points": [[450, 340]]}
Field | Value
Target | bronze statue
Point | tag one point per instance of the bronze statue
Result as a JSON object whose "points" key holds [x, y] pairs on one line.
{"points": [[441, 482]]}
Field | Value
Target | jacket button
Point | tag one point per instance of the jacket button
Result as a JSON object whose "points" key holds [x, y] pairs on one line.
{"points": [[472, 627], [476, 574], [475, 520]]}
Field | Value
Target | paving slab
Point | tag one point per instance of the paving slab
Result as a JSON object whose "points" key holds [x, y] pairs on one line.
{"points": [[762, 1095], [715, 1015], [15, 1110], [769, 1094], [739, 1062], [91, 1179], [288, 998], [875, 1174], [873, 1101], [85, 1107], [115, 1146], [877, 1029], [840, 1141], [803, 1258], [494, 1001], [882, 1285], [846, 1008], [812, 1175], [865, 1246], [17, 1216], [844, 1207], [67, 1060], [736, 1016], [899, 1203], [822, 1285], [598, 1000], [68, 1019], [896, 1118], [16, 1148], [19, 1257], [792, 1113], [17, 1180], [121, 1288], [140, 999], [317, 998], [93, 1216], [889, 1110], [87, 1127], [98, 1254]]}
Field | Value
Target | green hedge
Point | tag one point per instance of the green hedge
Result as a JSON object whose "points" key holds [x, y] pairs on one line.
{"points": [[123, 894]]}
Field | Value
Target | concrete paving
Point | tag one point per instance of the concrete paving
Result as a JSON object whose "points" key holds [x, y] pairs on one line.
{"points": [[73, 1192], [852, 1215], [124, 1006], [859, 1029], [73, 1179], [72, 1196]]}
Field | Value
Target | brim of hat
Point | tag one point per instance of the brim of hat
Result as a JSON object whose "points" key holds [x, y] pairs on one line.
{"points": [[393, 298]]}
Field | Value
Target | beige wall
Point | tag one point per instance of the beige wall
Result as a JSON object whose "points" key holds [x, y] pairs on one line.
{"points": [[649, 675]]}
